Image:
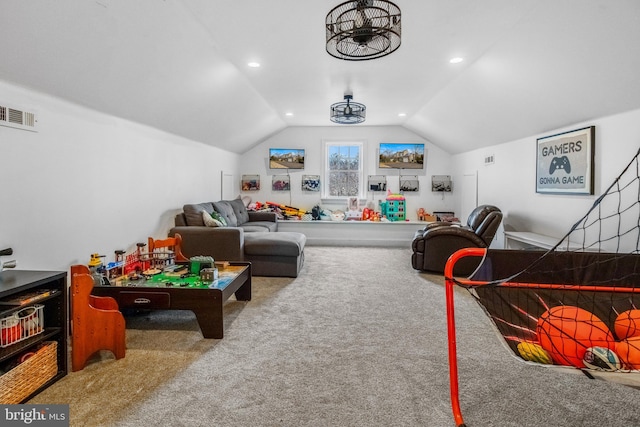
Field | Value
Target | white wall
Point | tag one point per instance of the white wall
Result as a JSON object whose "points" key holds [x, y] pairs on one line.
{"points": [[89, 183], [438, 162], [510, 182]]}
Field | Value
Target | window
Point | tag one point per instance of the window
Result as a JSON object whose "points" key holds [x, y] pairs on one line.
{"points": [[343, 170]]}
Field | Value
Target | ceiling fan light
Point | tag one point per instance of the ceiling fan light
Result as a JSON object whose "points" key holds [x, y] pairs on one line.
{"points": [[347, 112], [363, 29]]}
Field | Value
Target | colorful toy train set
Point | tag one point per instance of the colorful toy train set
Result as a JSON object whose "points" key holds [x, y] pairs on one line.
{"points": [[157, 269]]}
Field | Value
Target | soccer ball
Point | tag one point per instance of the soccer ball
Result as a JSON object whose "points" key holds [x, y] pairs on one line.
{"points": [[601, 359]]}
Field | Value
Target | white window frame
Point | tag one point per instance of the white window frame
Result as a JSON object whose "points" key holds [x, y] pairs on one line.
{"points": [[361, 175]]}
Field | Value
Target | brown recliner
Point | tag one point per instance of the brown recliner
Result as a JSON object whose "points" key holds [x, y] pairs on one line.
{"points": [[433, 245]]}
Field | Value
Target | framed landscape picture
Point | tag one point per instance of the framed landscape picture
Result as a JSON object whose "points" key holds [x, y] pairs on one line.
{"points": [[565, 162], [395, 155], [286, 158]]}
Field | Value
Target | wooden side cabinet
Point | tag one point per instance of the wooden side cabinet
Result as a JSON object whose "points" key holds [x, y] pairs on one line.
{"points": [[37, 301]]}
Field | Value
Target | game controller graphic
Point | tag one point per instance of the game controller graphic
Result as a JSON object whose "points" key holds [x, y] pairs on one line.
{"points": [[560, 163]]}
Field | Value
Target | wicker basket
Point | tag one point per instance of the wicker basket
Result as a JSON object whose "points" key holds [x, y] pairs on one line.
{"points": [[30, 375]]}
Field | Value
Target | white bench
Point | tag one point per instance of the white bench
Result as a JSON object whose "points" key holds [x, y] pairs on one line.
{"points": [[529, 240]]}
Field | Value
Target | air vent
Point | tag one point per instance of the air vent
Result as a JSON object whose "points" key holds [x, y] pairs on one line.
{"points": [[16, 118], [489, 159]]}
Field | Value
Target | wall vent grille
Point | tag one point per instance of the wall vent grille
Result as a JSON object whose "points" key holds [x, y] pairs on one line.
{"points": [[16, 118], [489, 159]]}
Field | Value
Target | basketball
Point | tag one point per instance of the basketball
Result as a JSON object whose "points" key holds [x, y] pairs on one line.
{"points": [[627, 324], [601, 359], [629, 352], [566, 332], [533, 352]]}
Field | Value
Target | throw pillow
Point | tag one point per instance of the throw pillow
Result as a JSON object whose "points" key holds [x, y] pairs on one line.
{"points": [[193, 213], [240, 210], [226, 211], [210, 221], [216, 216]]}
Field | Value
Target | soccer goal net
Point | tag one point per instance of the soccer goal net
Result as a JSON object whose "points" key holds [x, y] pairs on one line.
{"points": [[576, 305]]}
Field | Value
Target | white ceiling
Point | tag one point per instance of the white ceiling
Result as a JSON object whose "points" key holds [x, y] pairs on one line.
{"points": [[181, 65]]}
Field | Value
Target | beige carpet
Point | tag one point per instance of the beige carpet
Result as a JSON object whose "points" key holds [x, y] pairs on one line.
{"points": [[357, 340], [160, 345]]}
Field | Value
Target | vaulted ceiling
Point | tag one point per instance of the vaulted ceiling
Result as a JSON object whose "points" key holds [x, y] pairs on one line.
{"points": [[529, 66]]}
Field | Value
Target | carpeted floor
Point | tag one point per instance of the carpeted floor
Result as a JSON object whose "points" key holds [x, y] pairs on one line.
{"points": [[359, 339]]}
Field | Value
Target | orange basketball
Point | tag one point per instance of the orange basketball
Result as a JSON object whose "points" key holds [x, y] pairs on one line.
{"points": [[566, 332], [627, 324], [629, 352]]}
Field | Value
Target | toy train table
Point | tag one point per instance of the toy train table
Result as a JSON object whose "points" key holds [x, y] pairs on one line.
{"points": [[179, 289]]}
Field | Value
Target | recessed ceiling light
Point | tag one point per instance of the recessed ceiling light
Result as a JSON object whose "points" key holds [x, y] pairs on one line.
{"points": [[402, 114], [254, 64], [288, 114], [456, 60]]}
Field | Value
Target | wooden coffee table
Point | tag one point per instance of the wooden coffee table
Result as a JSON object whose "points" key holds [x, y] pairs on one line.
{"points": [[167, 292]]}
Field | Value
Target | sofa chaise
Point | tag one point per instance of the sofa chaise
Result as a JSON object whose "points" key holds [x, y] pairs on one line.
{"points": [[243, 236]]}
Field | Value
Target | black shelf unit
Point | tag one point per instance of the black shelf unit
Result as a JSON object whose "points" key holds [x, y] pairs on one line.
{"points": [[16, 283]]}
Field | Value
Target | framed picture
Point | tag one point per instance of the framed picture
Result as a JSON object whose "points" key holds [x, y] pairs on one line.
{"points": [[250, 183], [311, 182], [396, 155], [353, 204], [409, 183], [445, 216], [280, 183], [377, 183], [441, 183], [286, 158], [565, 162]]}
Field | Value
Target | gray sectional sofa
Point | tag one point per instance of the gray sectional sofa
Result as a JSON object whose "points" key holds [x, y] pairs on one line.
{"points": [[247, 236]]}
